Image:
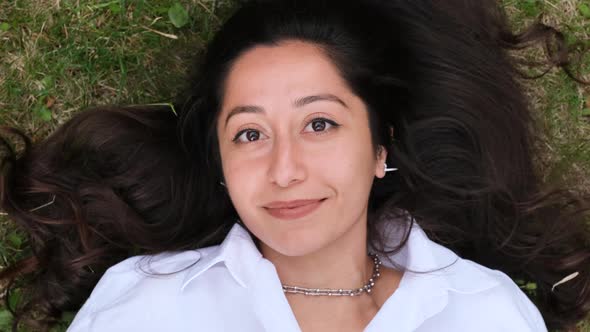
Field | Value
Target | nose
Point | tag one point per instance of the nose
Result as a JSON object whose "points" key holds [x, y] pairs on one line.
{"points": [[286, 166]]}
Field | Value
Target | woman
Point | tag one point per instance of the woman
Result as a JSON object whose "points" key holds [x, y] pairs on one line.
{"points": [[336, 166]]}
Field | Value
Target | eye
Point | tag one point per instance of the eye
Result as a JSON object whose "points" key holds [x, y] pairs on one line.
{"points": [[247, 135], [320, 125]]}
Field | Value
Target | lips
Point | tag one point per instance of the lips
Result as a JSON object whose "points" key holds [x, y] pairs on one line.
{"points": [[293, 209]]}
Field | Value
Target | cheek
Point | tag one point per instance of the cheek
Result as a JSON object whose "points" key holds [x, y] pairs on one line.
{"points": [[348, 161], [244, 178]]}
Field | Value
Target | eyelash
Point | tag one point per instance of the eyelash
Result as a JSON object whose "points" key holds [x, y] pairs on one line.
{"points": [[328, 121]]}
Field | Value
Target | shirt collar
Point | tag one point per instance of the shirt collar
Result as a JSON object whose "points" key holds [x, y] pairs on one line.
{"points": [[430, 262], [444, 269], [237, 251]]}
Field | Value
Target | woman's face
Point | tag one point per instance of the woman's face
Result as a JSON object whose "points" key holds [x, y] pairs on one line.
{"points": [[296, 148]]}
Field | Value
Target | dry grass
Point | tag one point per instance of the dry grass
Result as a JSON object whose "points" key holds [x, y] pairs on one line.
{"points": [[561, 105]]}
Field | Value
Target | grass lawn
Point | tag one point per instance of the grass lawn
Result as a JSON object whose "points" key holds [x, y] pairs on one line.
{"points": [[60, 56]]}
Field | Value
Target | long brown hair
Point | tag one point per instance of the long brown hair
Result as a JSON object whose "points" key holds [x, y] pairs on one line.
{"points": [[129, 180]]}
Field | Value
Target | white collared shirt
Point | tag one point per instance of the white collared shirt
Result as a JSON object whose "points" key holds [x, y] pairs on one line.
{"points": [[231, 287]]}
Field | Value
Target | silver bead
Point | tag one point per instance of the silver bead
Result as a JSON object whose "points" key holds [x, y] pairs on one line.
{"points": [[334, 292]]}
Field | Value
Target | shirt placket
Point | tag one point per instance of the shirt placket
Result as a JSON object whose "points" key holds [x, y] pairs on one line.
{"points": [[269, 301], [419, 298]]}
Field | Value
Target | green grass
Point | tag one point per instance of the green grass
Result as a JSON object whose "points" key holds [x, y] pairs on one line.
{"points": [[58, 57], [562, 106], [61, 56]]}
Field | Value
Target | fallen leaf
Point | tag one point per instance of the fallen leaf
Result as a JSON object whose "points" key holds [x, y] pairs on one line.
{"points": [[49, 102], [584, 10], [178, 15]]}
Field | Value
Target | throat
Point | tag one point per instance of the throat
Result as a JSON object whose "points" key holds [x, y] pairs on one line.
{"points": [[346, 313], [366, 288]]}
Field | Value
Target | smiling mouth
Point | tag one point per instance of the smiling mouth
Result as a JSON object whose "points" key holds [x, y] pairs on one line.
{"points": [[293, 209]]}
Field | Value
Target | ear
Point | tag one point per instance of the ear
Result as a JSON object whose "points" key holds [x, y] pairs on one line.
{"points": [[380, 161]]}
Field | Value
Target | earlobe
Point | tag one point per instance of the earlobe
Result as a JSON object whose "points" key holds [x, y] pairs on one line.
{"points": [[380, 167], [381, 157]]}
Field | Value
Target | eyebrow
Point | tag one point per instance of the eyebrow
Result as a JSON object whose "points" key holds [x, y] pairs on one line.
{"points": [[298, 103]]}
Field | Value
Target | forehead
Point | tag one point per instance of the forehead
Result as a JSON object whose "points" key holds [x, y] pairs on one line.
{"points": [[290, 68]]}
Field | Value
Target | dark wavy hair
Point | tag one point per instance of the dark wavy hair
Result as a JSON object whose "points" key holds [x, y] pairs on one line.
{"points": [[134, 180]]}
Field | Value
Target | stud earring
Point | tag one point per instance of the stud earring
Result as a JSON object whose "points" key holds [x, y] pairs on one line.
{"points": [[388, 169], [222, 183]]}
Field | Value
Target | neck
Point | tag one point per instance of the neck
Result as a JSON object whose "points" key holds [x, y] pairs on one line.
{"points": [[344, 263]]}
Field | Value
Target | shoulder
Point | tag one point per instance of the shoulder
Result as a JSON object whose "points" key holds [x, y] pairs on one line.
{"points": [[152, 272], [464, 295], [498, 304], [138, 282]]}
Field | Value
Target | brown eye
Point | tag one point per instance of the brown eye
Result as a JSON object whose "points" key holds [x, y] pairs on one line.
{"points": [[252, 135], [319, 125], [247, 135]]}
